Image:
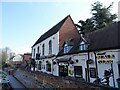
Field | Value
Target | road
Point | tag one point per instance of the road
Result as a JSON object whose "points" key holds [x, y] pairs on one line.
{"points": [[15, 83]]}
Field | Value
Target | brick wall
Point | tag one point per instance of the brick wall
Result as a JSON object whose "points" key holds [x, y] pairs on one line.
{"points": [[43, 80], [68, 31]]}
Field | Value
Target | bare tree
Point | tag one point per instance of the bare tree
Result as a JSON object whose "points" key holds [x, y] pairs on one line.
{"points": [[3, 56]]}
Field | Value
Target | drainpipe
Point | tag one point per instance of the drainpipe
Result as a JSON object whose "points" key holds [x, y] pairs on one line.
{"points": [[113, 74], [88, 75], [96, 65], [52, 64]]}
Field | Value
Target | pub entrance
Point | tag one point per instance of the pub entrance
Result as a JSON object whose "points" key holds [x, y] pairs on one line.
{"points": [[63, 70], [63, 65]]}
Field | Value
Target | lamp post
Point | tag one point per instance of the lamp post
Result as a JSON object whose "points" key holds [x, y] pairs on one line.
{"points": [[113, 74]]}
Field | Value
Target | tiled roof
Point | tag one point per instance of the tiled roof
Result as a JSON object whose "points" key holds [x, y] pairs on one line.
{"points": [[106, 38], [103, 39], [52, 31]]}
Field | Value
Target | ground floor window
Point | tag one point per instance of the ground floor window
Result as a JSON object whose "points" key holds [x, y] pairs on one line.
{"points": [[78, 71], [48, 67], [63, 70], [93, 72]]}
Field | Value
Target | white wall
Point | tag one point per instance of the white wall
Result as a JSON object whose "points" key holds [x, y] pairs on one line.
{"points": [[81, 61], [43, 68], [82, 57], [18, 58], [55, 70], [102, 67], [55, 45]]}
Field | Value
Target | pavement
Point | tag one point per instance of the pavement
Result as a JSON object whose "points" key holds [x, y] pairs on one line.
{"points": [[15, 84]]}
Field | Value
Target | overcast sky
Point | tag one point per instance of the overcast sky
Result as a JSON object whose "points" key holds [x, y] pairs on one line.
{"points": [[24, 21]]}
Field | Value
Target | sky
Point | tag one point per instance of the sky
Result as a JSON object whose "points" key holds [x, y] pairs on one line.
{"points": [[24, 21]]}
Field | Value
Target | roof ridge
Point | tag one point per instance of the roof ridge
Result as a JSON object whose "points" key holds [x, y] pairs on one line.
{"points": [[104, 28], [56, 24], [51, 31]]}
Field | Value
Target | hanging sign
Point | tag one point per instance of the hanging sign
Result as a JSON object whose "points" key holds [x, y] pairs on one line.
{"points": [[105, 61], [106, 56]]}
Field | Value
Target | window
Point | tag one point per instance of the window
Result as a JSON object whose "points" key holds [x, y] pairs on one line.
{"points": [[43, 49], [78, 71], [83, 46], [48, 67], [38, 49], [50, 47], [39, 65], [37, 56], [92, 72], [34, 52], [67, 48]]}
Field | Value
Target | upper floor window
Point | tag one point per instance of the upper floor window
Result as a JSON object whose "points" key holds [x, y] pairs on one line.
{"points": [[34, 52], [43, 49], [67, 47], [83, 46], [37, 56], [50, 47], [38, 49]]}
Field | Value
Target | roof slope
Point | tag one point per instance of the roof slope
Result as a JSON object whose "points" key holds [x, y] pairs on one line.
{"points": [[103, 39], [106, 38], [52, 31]]}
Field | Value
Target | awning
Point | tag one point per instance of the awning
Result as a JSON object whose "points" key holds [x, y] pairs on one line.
{"points": [[63, 59]]}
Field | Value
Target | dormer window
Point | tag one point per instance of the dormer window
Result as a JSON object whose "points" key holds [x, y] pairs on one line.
{"points": [[67, 47], [83, 46]]}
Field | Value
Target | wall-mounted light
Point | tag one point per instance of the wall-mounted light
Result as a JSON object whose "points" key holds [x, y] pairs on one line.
{"points": [[77, 60], [90, 61], [54, 63]]}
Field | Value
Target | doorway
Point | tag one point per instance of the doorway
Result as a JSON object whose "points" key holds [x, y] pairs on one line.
{"points": [[78, 71], [63, 70]]}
